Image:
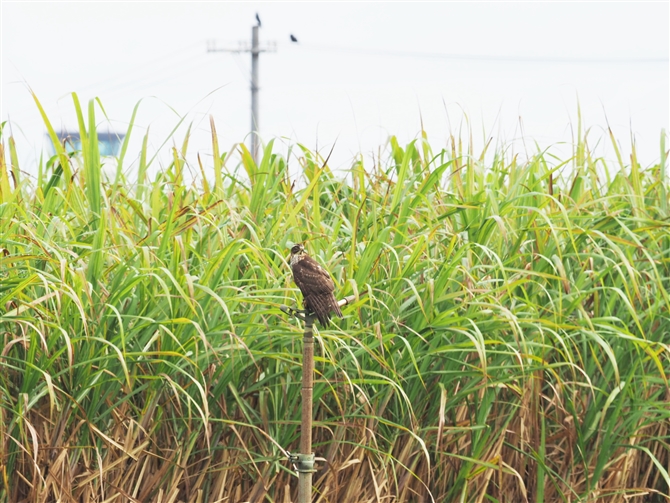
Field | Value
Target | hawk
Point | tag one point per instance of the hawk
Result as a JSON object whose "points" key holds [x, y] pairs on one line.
{"points": [[315, 284]]}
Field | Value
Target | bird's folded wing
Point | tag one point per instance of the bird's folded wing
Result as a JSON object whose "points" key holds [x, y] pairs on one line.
{"points": [[311, 277]]}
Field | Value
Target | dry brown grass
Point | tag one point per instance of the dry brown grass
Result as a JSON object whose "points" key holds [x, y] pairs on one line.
{"points": [[512, 346]]}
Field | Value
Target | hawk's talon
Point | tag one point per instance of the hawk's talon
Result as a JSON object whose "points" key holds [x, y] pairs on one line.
{"points": [[298, 313], [303, 313]]}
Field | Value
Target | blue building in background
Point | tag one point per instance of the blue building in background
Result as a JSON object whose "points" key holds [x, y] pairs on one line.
{"points": [[109, 143]]}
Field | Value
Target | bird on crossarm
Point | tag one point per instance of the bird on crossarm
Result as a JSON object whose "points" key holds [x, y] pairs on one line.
{"points": [[316, 285]]}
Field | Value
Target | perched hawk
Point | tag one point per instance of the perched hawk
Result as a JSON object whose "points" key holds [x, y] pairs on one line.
{"points": [[315, 284]]}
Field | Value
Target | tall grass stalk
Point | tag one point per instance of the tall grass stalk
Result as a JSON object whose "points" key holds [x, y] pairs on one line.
{"points": [[510, 341]]}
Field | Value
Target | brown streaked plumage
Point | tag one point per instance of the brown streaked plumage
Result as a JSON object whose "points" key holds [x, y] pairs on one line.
{"points": [[316, 285]]}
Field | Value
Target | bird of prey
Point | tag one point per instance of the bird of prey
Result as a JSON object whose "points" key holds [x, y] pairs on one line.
{"points": [[293, 39], [315, 284], [258, 20]]}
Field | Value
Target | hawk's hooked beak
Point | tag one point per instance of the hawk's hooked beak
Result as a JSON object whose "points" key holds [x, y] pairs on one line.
{"points": [[296, 249]]}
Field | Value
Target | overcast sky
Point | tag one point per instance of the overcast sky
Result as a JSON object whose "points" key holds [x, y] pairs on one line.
{"points": [[359, 72]]}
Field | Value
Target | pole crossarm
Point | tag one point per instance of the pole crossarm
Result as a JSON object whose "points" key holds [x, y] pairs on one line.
{"points": [[241, 47]]}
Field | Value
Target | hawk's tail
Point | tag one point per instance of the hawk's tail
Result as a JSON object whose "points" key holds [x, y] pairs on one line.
{"points": [[322, 305]]}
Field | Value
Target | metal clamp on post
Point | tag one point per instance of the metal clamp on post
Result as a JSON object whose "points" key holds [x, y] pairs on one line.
{"points": [[303, 463]]}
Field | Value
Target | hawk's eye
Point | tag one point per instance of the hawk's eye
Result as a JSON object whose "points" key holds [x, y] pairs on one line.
{"points": [[295, 249]]}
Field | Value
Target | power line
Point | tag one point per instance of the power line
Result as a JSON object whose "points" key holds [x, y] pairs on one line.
{"points": [[241, 67], [172, 76], [481, 57], [167, 72], [145, 66]]}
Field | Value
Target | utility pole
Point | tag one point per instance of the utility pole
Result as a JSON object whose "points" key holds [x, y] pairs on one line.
{"points": [[255, 49]]}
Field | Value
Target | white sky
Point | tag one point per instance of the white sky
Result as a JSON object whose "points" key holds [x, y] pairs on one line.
{"points": [[359, 73]]}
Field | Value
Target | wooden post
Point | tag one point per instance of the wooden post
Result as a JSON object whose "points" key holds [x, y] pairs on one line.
{"points": [[304, 462]]}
